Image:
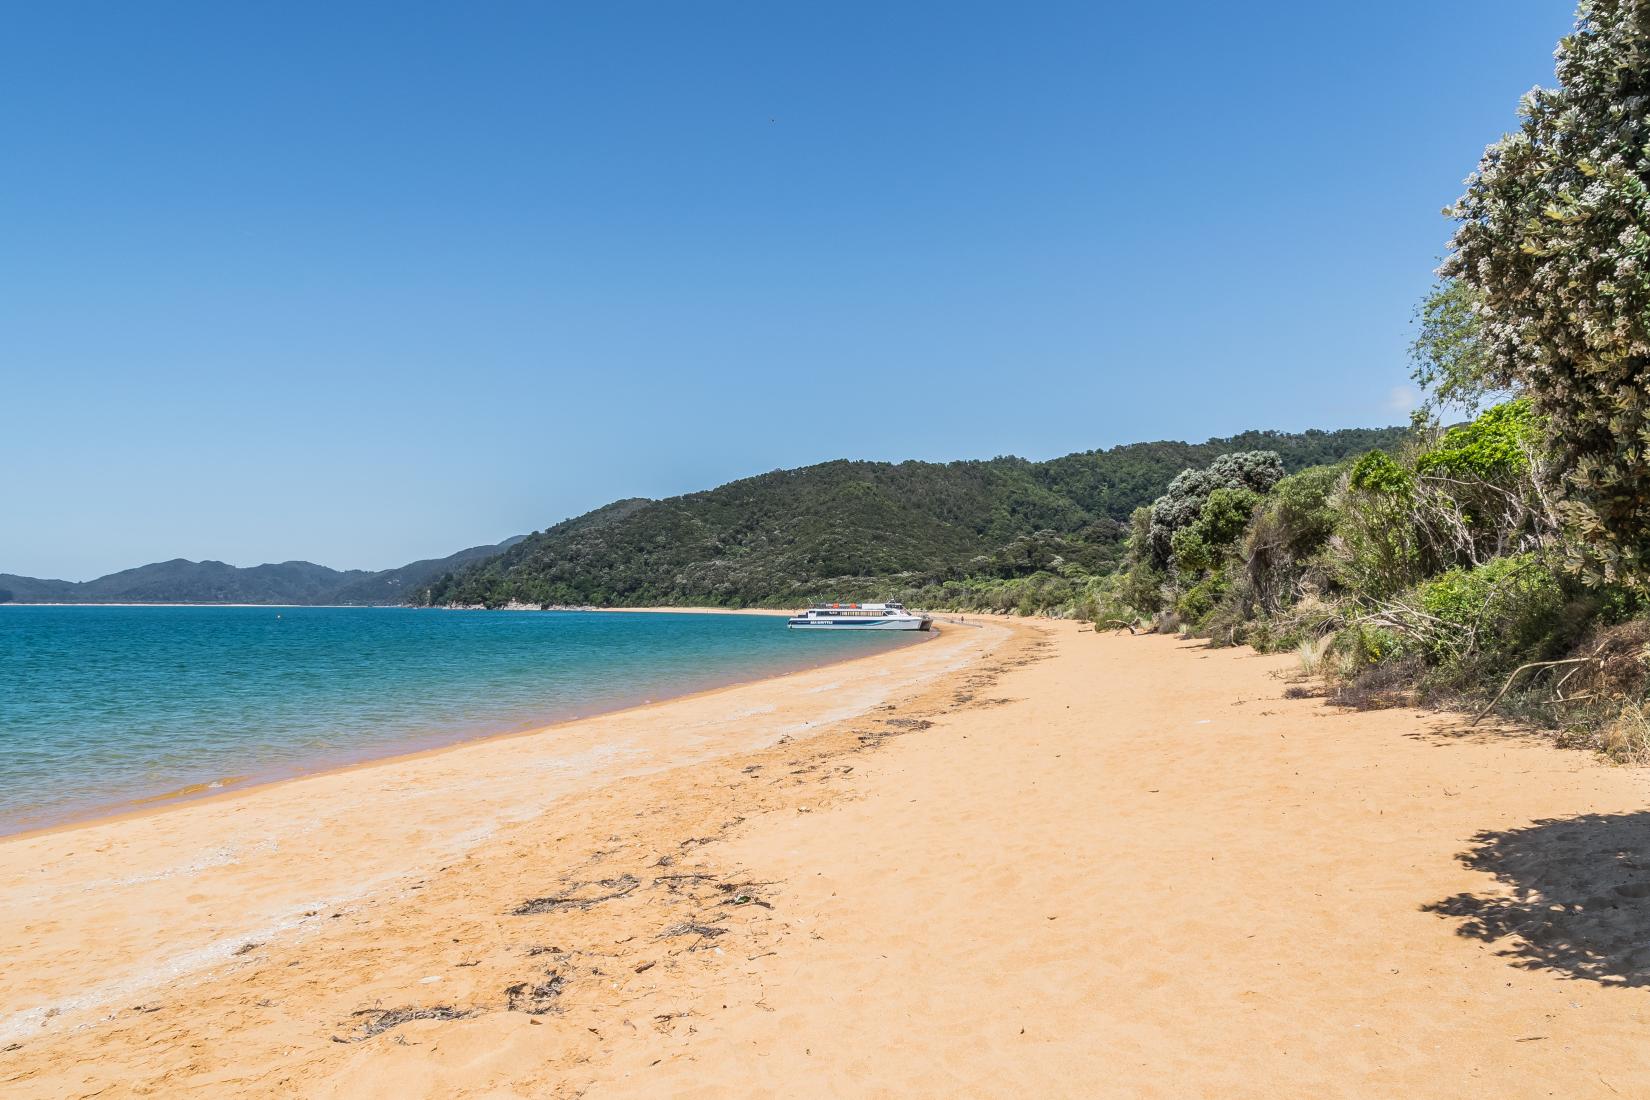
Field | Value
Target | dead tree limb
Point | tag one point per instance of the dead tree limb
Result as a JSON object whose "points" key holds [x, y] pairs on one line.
{"points": [[1518, 672]]}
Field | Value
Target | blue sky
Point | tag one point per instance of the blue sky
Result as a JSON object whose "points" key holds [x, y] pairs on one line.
{"points": [[365, 283]]}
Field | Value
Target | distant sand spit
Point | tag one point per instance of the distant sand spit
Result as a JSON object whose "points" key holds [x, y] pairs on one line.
{"points": [[1067, 864]]}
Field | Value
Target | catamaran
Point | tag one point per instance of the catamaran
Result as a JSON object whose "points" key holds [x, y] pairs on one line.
{"points": [[860, 616]]}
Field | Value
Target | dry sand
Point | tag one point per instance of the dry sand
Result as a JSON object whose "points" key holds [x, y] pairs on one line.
{"points": [[1067, 864]]}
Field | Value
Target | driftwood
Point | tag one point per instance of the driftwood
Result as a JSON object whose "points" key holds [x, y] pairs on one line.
{"points": [[1119, 622]]}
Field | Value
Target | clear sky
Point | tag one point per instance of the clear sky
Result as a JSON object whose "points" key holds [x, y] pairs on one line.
{"points": [[366, 283]]}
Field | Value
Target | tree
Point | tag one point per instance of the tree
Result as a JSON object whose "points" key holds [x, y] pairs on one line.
{"points": [[1180, 507], [1449, 360], [1292, 528], [1376, 546], [1203, 543], [1554, 247]]}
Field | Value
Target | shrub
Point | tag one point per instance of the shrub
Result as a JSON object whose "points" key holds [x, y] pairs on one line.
{"points": [[1376, 545], [1626, 740], [1364, 645], [1308, 619], [1554, 246], [1488, 618], [1482, 489], [1291, 528], [1494, 448], [1205, 542], [1198, 601], [1256, 471], [1390, 683], [1231, 621], [1302, 506], [1310, 653], [1378, 474]]}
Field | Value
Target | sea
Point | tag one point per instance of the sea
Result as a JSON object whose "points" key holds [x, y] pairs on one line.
{"points": [[105, 709]]}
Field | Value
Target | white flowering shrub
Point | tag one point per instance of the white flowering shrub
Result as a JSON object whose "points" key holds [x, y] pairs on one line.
{"points": [[1554, 243], [1180, 507]]}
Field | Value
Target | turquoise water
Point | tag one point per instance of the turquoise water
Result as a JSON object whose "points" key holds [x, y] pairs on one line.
{"points": [[100, 706]]}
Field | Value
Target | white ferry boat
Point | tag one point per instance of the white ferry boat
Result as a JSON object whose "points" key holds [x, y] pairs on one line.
{"points": [[860, 616]]}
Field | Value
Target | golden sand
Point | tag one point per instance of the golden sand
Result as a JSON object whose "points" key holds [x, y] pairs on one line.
{"points": [[1065, 864], [193, 790]]}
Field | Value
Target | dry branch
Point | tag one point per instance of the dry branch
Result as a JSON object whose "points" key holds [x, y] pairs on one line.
{"points": [[1518, 672]]}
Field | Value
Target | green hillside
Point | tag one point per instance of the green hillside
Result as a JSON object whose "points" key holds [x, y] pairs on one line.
{"points": [[181, 581], [859, 529], [397, 586], [291, 582]]}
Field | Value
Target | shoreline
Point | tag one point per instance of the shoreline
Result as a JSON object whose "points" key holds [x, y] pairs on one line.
{"points": [[227, 786], [414, 607], [1026, 860], [181, 887]]}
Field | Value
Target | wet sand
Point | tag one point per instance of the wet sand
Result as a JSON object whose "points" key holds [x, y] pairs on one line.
{"points": [[1067, 863]]}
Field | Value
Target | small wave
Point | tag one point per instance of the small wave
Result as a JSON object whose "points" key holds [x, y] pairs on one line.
{"points": [[192, 789]]}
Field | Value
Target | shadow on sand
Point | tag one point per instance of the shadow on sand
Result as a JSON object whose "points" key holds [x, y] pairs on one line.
{"points": [[1446, 727], [1577, 898]]}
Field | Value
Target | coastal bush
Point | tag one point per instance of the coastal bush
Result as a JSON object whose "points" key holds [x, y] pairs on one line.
{"points": [[1378, 474], [1302, 508], [1042, 593], [1223, 518], [1484, 489], [1503, 612], [1180, 507], [1496, 447], [1197, 602], [1376, 548], [1309, 619], [1449, 360], [1553, 245], [1438, 564], [1287, 535]]}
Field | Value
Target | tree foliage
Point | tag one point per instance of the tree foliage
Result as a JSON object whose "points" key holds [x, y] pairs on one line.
{"points": [[1180, 507], [1495, 446], [1554, 247], [1449, 361], [1432, 568], [1289, 531], [954, 534]]}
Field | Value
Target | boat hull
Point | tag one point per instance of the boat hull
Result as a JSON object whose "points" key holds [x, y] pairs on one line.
{"points": [[902, 623]]}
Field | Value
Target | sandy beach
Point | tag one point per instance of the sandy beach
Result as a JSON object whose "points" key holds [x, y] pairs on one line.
{"points": [[1020, 858]]}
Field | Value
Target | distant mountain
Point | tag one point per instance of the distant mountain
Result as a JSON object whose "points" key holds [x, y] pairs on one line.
{"points": [[33, 589], [291, 582], [395, 586], [859, 529], [847, 529]]}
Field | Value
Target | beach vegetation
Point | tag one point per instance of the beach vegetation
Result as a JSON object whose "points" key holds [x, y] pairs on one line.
{"points": [[1502, 558], [1552, 247], [1004, 535], [1450, 364]]}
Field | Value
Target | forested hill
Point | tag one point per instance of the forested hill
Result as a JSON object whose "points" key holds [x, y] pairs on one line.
{"points": [[290, 582], [860, 529], [181, 581]]}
